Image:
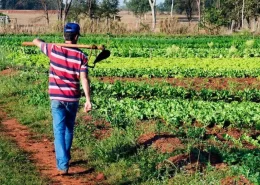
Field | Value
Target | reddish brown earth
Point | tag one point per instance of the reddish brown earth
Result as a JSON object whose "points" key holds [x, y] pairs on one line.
{"points": [[234, 133], [191, 163], [42, 154], [235, 181], [8, 72], [102, 129], [219, 132], [196, 83], [164, 142], [168, 145]]}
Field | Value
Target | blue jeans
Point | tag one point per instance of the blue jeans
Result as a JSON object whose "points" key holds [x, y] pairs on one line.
{"points": [[64, 115]]}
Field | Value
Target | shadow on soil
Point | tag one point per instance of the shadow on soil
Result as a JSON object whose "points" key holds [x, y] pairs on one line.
{"points": [[84, 172], [79, 162]]}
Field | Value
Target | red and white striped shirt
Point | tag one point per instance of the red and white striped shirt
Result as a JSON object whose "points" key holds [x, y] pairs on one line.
{"points": [[64, 75]]}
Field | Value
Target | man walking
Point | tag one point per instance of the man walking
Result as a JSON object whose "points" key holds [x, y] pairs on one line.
{"points": [[67, 67]]}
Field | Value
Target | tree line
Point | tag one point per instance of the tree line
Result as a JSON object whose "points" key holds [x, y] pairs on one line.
{"points": [[211, 14]]}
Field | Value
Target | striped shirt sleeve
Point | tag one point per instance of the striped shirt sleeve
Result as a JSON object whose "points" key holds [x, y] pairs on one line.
{"points": [[84, 63], [46, 48]]}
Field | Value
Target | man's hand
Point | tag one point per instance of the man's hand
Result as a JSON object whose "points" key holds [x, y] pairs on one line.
{"points": [[87, 107], [86, 88]]}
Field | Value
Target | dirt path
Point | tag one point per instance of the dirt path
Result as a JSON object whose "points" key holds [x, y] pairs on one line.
{"points": [[42, 154]]}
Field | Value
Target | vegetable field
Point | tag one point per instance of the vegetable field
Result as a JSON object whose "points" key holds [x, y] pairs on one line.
{"points": [[166, 110]]}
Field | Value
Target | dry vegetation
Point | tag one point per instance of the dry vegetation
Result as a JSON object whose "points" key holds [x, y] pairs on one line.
{"points": [[34, 22]]}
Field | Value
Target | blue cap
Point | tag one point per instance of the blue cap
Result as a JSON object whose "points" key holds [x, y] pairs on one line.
{"points": [[71, 28]]}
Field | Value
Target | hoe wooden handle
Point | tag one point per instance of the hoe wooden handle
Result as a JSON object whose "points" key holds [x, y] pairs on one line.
{"points": [[101, 47]]}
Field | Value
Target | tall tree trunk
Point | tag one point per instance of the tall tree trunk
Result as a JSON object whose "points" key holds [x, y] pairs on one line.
{"points": [[66, 10], [153, 9], [172, 8], [198, 4], [257, 27], [217, 4], [232, 26], [243, 8], [59, 7], [89, 8], [189, 10], [45, 8]]}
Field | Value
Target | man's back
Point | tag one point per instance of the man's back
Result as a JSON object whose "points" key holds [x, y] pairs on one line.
{"points": [[65, 67]]}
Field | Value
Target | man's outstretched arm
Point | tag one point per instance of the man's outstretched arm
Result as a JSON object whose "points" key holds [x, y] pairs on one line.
{"points": [[37, 42], [86, 87]]}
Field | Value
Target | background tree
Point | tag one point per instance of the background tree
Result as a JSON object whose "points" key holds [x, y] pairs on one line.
{"points": [[8, 4], [59, 8], [2, 4], [162, 8], [21, 4], [63, 7], [84, 8], [198, 6], [45, 6], [233, 11], [92, 8], [26, 4], [187, 6], [109, 9], [213, 20], [138, 7], [77, 8], [251, 10], [67, 5], [153, 9], [167, 5]]}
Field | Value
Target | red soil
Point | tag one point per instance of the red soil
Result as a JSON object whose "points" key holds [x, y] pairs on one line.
{"points": [[165, 143], [102, 128], [235, 181], [234, 133], [8, 72], [168, 145], [191, 163], [196, 83]]}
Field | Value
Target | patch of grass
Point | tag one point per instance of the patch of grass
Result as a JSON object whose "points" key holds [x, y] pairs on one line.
{"points": [[3, 63], [122, 172], [26, 99], [211, 176], [121, 144], [15, 166]]}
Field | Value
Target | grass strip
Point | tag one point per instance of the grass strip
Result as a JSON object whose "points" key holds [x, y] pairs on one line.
{"points": [[15, 166]]}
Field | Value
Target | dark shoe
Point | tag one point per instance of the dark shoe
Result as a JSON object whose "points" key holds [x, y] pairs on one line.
{"points": [[63, 172]]}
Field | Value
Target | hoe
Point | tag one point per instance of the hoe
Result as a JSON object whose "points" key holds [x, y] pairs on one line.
{"points": [[101, 56]]}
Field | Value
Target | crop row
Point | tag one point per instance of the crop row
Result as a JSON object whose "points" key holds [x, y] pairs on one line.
{"points": [[121, 110], [179, 47], [193, 63], [182, 52], [156, 67], [121, 90], [175, 72], [171, 51], [178, 112], [115, 41]]}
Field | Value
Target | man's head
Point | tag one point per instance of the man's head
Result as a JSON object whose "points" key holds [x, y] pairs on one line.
{"points": [[71, 32]]}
